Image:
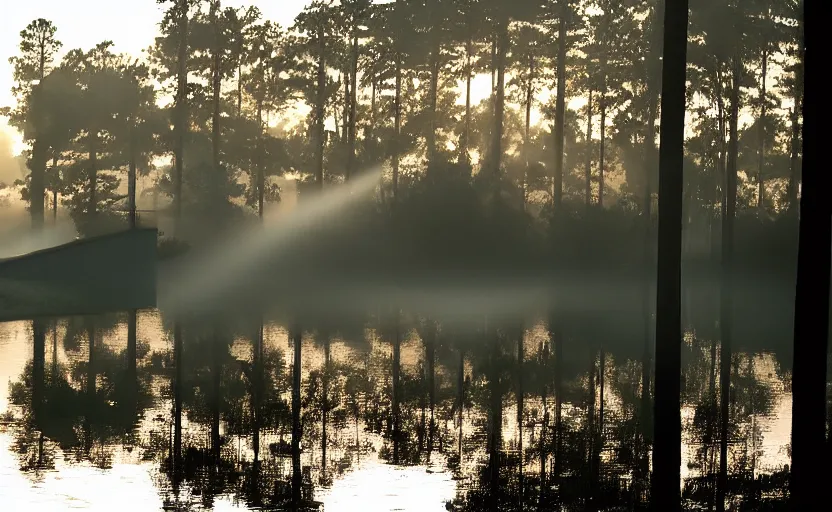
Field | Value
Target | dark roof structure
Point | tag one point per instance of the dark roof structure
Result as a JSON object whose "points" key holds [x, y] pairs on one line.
{"points": [[114, 272]]}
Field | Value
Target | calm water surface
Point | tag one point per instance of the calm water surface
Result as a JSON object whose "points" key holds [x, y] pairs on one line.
{"points": [[98, 443]]}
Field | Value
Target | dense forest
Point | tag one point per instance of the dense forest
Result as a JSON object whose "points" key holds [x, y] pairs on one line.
{"points": [[552, 179]]}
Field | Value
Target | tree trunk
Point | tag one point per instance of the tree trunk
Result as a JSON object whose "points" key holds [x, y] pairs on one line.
{"points": [[461, 399], [131, 343], [588, 172], [216, 376], [495, 434], [558, 342], [397, 121], [345, 115], [560, 105], [761, 188], [93, 173], [131, 181], [544, 358], [811, 331], [500, 96], [466, 138], [92, 376], [38, 185], [397, 364], [602, 367], [353, 102], [590, 432], [38, 367], [430, 355], [601, 155], [668, 431], [647, 307], [340, 120], [726, 293], [178, 385], [527, 132], [521, 359], [797, 113], [433, 63], [261, 178], [297, 432], [721, 145], [55, 189], [240, 88], [216, 89], [54, 350], [257, 389], [325, 397], [181, 108], [320, 105], [653, 84]]}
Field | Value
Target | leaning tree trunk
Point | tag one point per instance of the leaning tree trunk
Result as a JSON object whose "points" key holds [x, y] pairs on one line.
{"points": [[665, 493]]}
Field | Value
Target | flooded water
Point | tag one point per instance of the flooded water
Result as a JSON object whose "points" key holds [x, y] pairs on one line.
{"points": [[381, 427]]}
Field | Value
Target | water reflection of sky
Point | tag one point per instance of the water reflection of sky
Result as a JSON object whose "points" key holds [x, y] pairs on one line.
{"points": [[377, 487]]}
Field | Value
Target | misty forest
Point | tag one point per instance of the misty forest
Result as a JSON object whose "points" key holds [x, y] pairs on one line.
{"points": [[458, 255]]}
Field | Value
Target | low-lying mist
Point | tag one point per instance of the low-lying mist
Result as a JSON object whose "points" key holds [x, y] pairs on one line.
{"points": [[17, 236]]}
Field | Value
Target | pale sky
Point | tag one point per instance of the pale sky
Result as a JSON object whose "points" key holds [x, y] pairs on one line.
{"points": [[130, 24]]}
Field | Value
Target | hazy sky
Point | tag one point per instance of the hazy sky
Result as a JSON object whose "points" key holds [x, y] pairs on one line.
{"points": [[130, 24]]}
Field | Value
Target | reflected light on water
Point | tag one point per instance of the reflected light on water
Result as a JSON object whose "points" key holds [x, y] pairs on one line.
{"points": [[123, 487], [376, 487]]}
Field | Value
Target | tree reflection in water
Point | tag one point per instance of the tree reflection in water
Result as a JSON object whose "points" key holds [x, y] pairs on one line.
{"points": [[459, 411]]}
